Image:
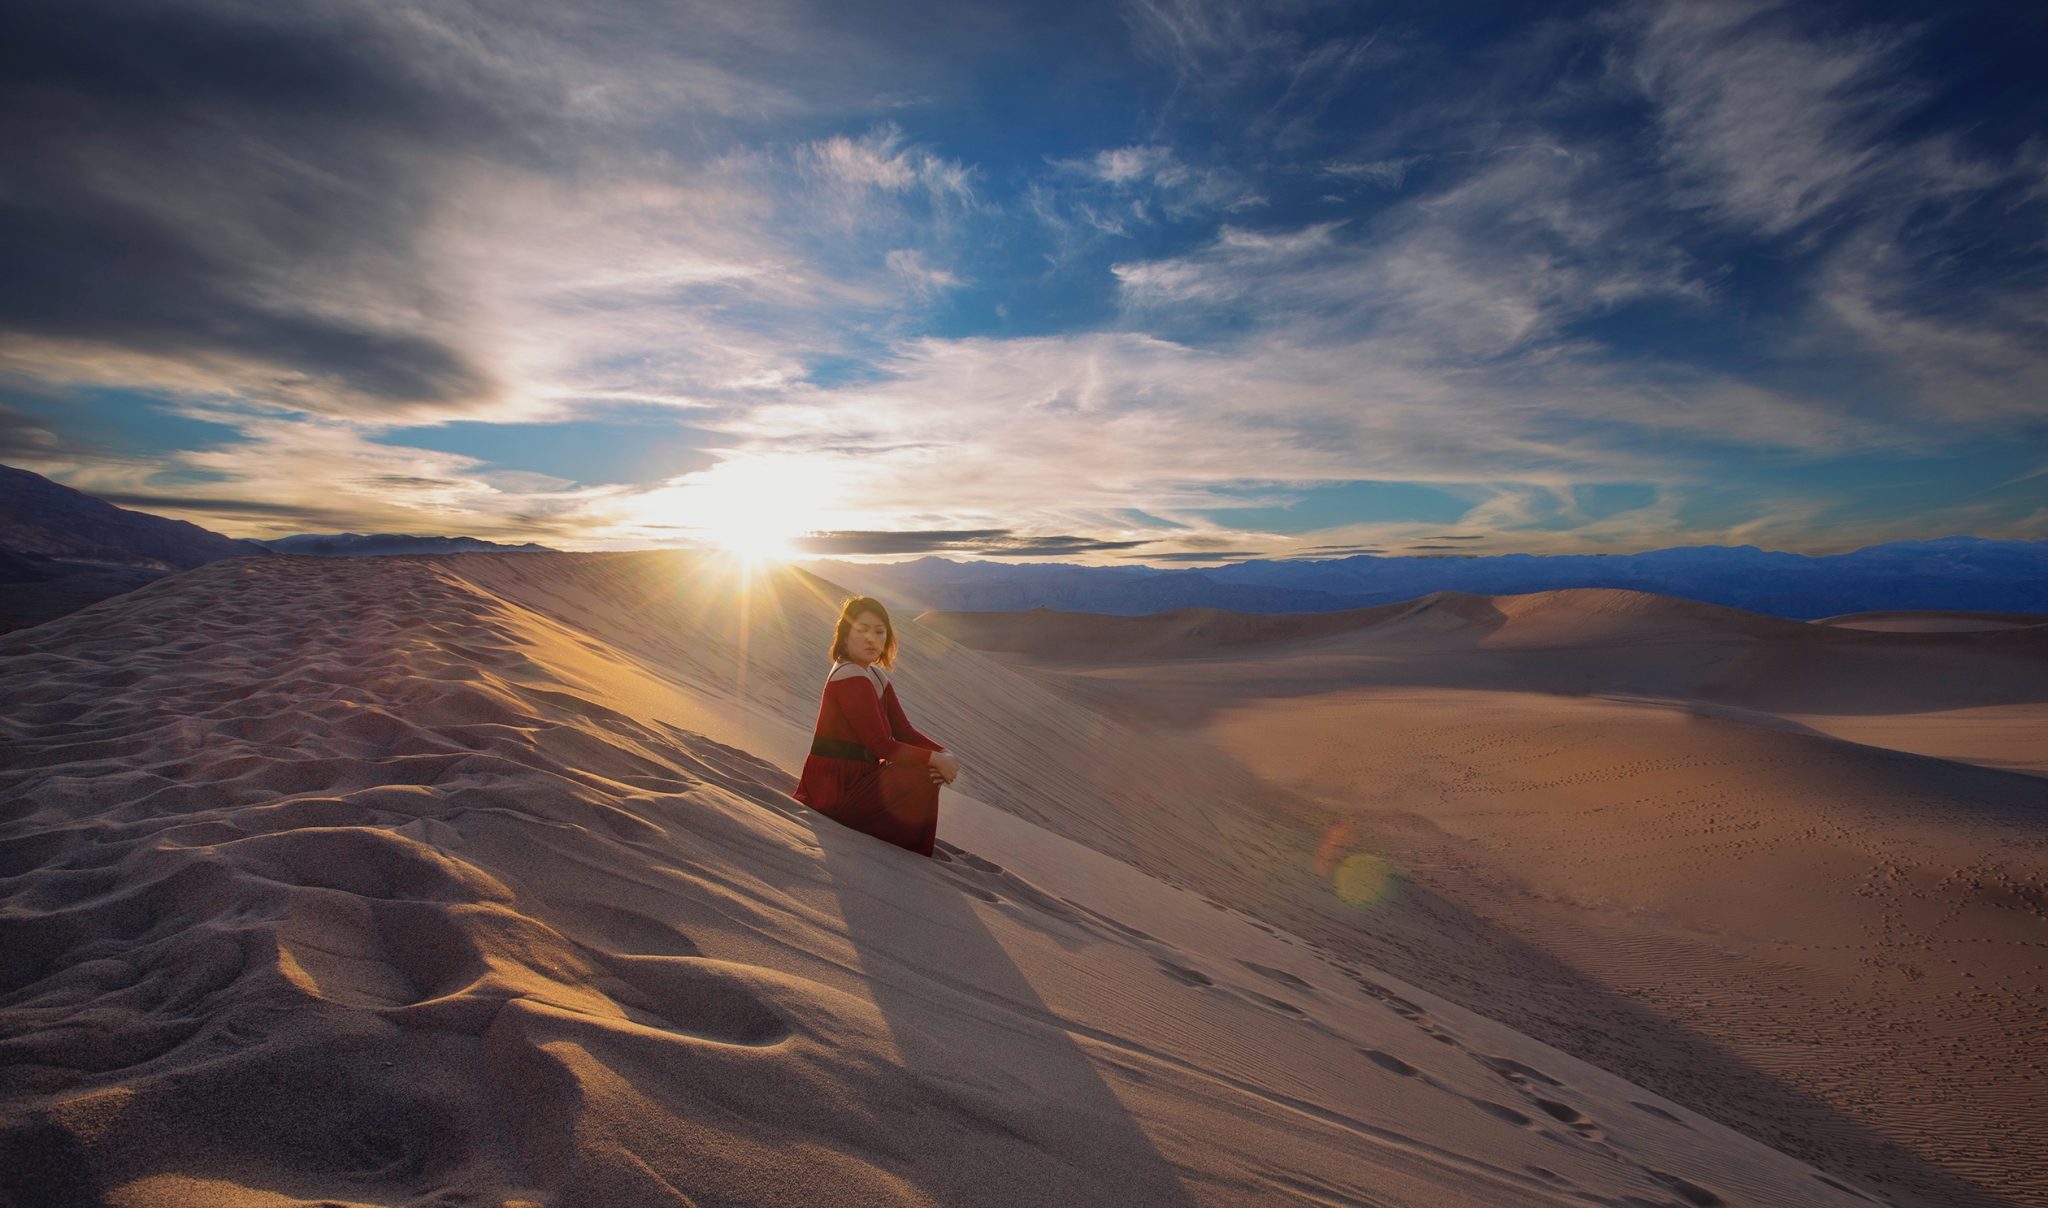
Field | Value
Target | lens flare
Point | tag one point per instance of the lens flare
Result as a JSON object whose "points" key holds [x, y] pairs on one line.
{"points": [[1358, 876], [1362, 879]]}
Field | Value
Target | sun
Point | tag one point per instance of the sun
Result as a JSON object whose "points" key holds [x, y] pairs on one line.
{"points": [[756, 509], [753, 540]]}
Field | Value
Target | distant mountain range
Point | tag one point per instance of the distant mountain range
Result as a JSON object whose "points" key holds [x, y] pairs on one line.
{"points": [[61, 549], [44, 518], [380, 545], [1952, 573]]}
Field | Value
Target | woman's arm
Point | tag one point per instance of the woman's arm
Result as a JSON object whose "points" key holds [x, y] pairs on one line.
{"points": [[899, 722], [862, 710], [945, 768]]}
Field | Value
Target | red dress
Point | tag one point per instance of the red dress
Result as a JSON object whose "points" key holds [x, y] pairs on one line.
{"points": [[868, 765]]}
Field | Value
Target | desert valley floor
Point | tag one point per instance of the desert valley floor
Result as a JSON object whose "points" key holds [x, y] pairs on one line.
{"points": [[474, 881]]}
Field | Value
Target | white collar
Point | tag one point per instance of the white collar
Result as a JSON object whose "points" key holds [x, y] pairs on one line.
{"points": [[848, 668]]}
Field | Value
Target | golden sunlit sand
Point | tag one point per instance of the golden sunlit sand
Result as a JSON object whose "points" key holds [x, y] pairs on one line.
{"points": [[474, 880]]}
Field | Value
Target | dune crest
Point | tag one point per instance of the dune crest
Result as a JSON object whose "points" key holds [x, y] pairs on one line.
{"points": [[423, 881]]}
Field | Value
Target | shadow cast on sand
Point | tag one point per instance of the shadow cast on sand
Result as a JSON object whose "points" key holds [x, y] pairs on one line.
{"points": [[1061, 1122], [1052, 1130]]}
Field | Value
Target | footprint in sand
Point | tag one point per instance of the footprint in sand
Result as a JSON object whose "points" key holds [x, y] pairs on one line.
{"points": [[1195, 977], [971, 872], [1565, 1113], [704, 1000], [1391, 1063], [1562, 1112], [1515, 1071], [1124, 929], [1689, 1191], [1501, 1111], [946, 854], [989, 896], [1277, 1004], [977, 863], [1402, 1007], [1279, 975], [1395, 1065]]}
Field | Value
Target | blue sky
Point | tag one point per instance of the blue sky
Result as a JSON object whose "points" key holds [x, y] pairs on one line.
{"points": [[1164, 280]]}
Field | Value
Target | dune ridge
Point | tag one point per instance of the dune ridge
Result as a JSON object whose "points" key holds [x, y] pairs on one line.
{"points": [[437, 881]]}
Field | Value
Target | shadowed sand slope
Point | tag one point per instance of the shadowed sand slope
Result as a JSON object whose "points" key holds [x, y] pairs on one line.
{"points": [[1656, 796], [475, 881]]}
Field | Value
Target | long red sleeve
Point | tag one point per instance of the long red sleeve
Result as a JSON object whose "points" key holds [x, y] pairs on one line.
{"points": [[899, 722], [861, 710]]}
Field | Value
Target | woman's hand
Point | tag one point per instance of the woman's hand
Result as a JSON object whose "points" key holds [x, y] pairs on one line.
{"points": [[945, 767]]}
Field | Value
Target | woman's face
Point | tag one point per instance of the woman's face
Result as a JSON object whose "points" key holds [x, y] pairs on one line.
{"points": [[867, 639]]}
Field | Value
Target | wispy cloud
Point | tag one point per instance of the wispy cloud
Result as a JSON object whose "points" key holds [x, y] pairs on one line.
{"points": [[1382, 173], [1120, 193], [881, 160], [1222, 45], [924, 280], [1985, 362], [1175, 187], [288, 474], [1774, 126], [1493, 264], [1797, 129]]}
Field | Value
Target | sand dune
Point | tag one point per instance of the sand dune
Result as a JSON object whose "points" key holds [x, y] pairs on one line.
{"points": [[1554, 617], [1560, 642], [1935, 622], [474, 881], [1181, 633], [1576, 617], [1654, 797]]}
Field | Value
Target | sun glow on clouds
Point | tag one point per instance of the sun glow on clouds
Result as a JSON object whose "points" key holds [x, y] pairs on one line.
{"points": [[754, 507]]}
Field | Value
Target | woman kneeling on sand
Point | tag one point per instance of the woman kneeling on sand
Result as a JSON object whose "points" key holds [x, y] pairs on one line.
{"points": [[869, 768]]}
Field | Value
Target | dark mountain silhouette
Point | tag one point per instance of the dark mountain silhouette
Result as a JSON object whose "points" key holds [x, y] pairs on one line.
{"points": [[61, 549], [375, 545], [38, 516]]}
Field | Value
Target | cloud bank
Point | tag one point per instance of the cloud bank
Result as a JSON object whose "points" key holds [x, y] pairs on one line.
{"points": [[1179, 282]]}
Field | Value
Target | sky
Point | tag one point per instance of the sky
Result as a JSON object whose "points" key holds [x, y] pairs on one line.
{"points": [[1133, 281]]}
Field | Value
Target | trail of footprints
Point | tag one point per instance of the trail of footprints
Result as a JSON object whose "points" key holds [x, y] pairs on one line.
{"points": [[1548, 1095], [1546, 1106], [992, 883], [1544, 1092]]}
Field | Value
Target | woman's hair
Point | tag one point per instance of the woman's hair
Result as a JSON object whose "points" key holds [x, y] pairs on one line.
{"points": [[848, 612]]}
